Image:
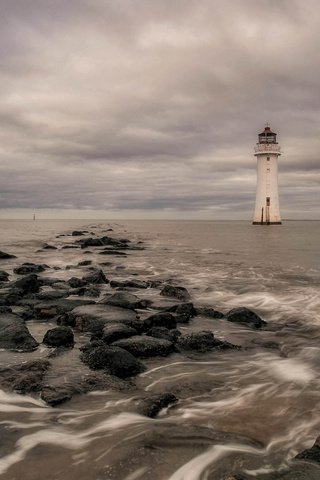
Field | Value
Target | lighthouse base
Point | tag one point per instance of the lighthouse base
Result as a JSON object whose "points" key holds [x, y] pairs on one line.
{"points": [[266, 223]]}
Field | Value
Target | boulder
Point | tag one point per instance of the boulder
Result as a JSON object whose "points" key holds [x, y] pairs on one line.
{"points": [[161, 319], [245, 316], [78, 233], [151, 405], [93, 318], [208, 312], [59, 337], [112, 251], [27, 268], [5, 256], [84, 263], [28, 284], [176, 292], [75, 282], [58, 307], [96, 276], [145, 346], [116, 331], [123, 300], [24, 378], [311, 454], [114, 360], [46, 246], [199, 341], [162, 332], [14, 335], [4, 276], [128, 283]]}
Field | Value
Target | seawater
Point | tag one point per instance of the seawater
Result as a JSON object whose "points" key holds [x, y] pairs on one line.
{"points": [[262, 401]]}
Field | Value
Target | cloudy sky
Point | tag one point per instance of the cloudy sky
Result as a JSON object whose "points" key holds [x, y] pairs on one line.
{"points": [[151, 108]]}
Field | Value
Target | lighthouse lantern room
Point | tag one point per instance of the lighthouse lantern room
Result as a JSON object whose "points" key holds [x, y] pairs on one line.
{"points": [[267, 151]]}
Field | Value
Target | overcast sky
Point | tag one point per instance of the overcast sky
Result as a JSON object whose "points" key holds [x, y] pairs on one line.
{"points": [[152, 107]]}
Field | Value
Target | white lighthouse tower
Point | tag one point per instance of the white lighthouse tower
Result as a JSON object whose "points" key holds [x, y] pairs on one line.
{"points": [[267, 151]]}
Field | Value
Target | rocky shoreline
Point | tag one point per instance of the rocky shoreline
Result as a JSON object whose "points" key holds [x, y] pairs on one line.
{"points": [[118, 325]]}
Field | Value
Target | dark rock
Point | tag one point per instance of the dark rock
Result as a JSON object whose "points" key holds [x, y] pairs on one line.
{"points": [[112, 252], [66, 247], [199, 341], [28, 284], [5, 256], [49, 295], [123, 300], [84, 263], [58, 307], [14, 335], [176, 292], [145, 346], [93, 318], [161, 319], [89, 242], [151, 406], [24, 378], [209, 312], [76, 384], [114, 360], [78, 233], [59, 337], [4, 276], [116, 331], [96, 277], [75, 282], [128, 283], [27, 268], [311, 454], [162, 332], [46, 246], [246, 316]]}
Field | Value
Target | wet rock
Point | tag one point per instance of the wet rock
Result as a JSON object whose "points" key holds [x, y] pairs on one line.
{"points": [[59, 337], [27, 268], [4, 276], [116, 331], [78, 233], [96, 277], [24, 378], [66, 247], [14, 335], [5, 256], [151, 406], [46, 246], [200, 341], [49, 295], [124, 300], [245, 316], [176, 292], [112, 251], [76, 384], [311, 454], [93, 318], [128, 283], [165, 333], [161, 319], [209, 312], [89, 242], [116, 361], [75, 282], [84, 263], [58, 307], [145, 346], [28, 284]]}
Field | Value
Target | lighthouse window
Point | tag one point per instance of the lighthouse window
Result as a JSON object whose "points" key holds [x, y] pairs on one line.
{"points": [[268, 201], [268, 159]]}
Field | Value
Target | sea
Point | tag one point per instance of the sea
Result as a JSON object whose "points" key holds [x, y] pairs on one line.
{"points": [[249, 410]]}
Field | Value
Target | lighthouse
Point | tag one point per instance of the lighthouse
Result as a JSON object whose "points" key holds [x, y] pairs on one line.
{"points": [[267, 151]]}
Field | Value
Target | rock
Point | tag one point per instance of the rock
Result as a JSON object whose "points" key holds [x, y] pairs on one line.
{"points": [[28, 284], [46, 246], [65, 247], [27, 268], [116, 331], [176, 292], [76, 384], [114, 360], [75, 282], [301, 471], [58, 307], [311, 454], [199, 341], [209, 312], [14, 335], [84, 263], [128, 283], [161, 319], [59, 337], [93, 318], [96, 277], [4, 276], [145, 346], [89, 242], [162, 332], [78, 233], [246, 316], [111, 251], [49, 295], [123, 300], [5, 256], [151, 406], [24, 378]]}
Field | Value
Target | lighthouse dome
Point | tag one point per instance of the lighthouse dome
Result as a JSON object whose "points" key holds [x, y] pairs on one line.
{"points": [[267, 136]]}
